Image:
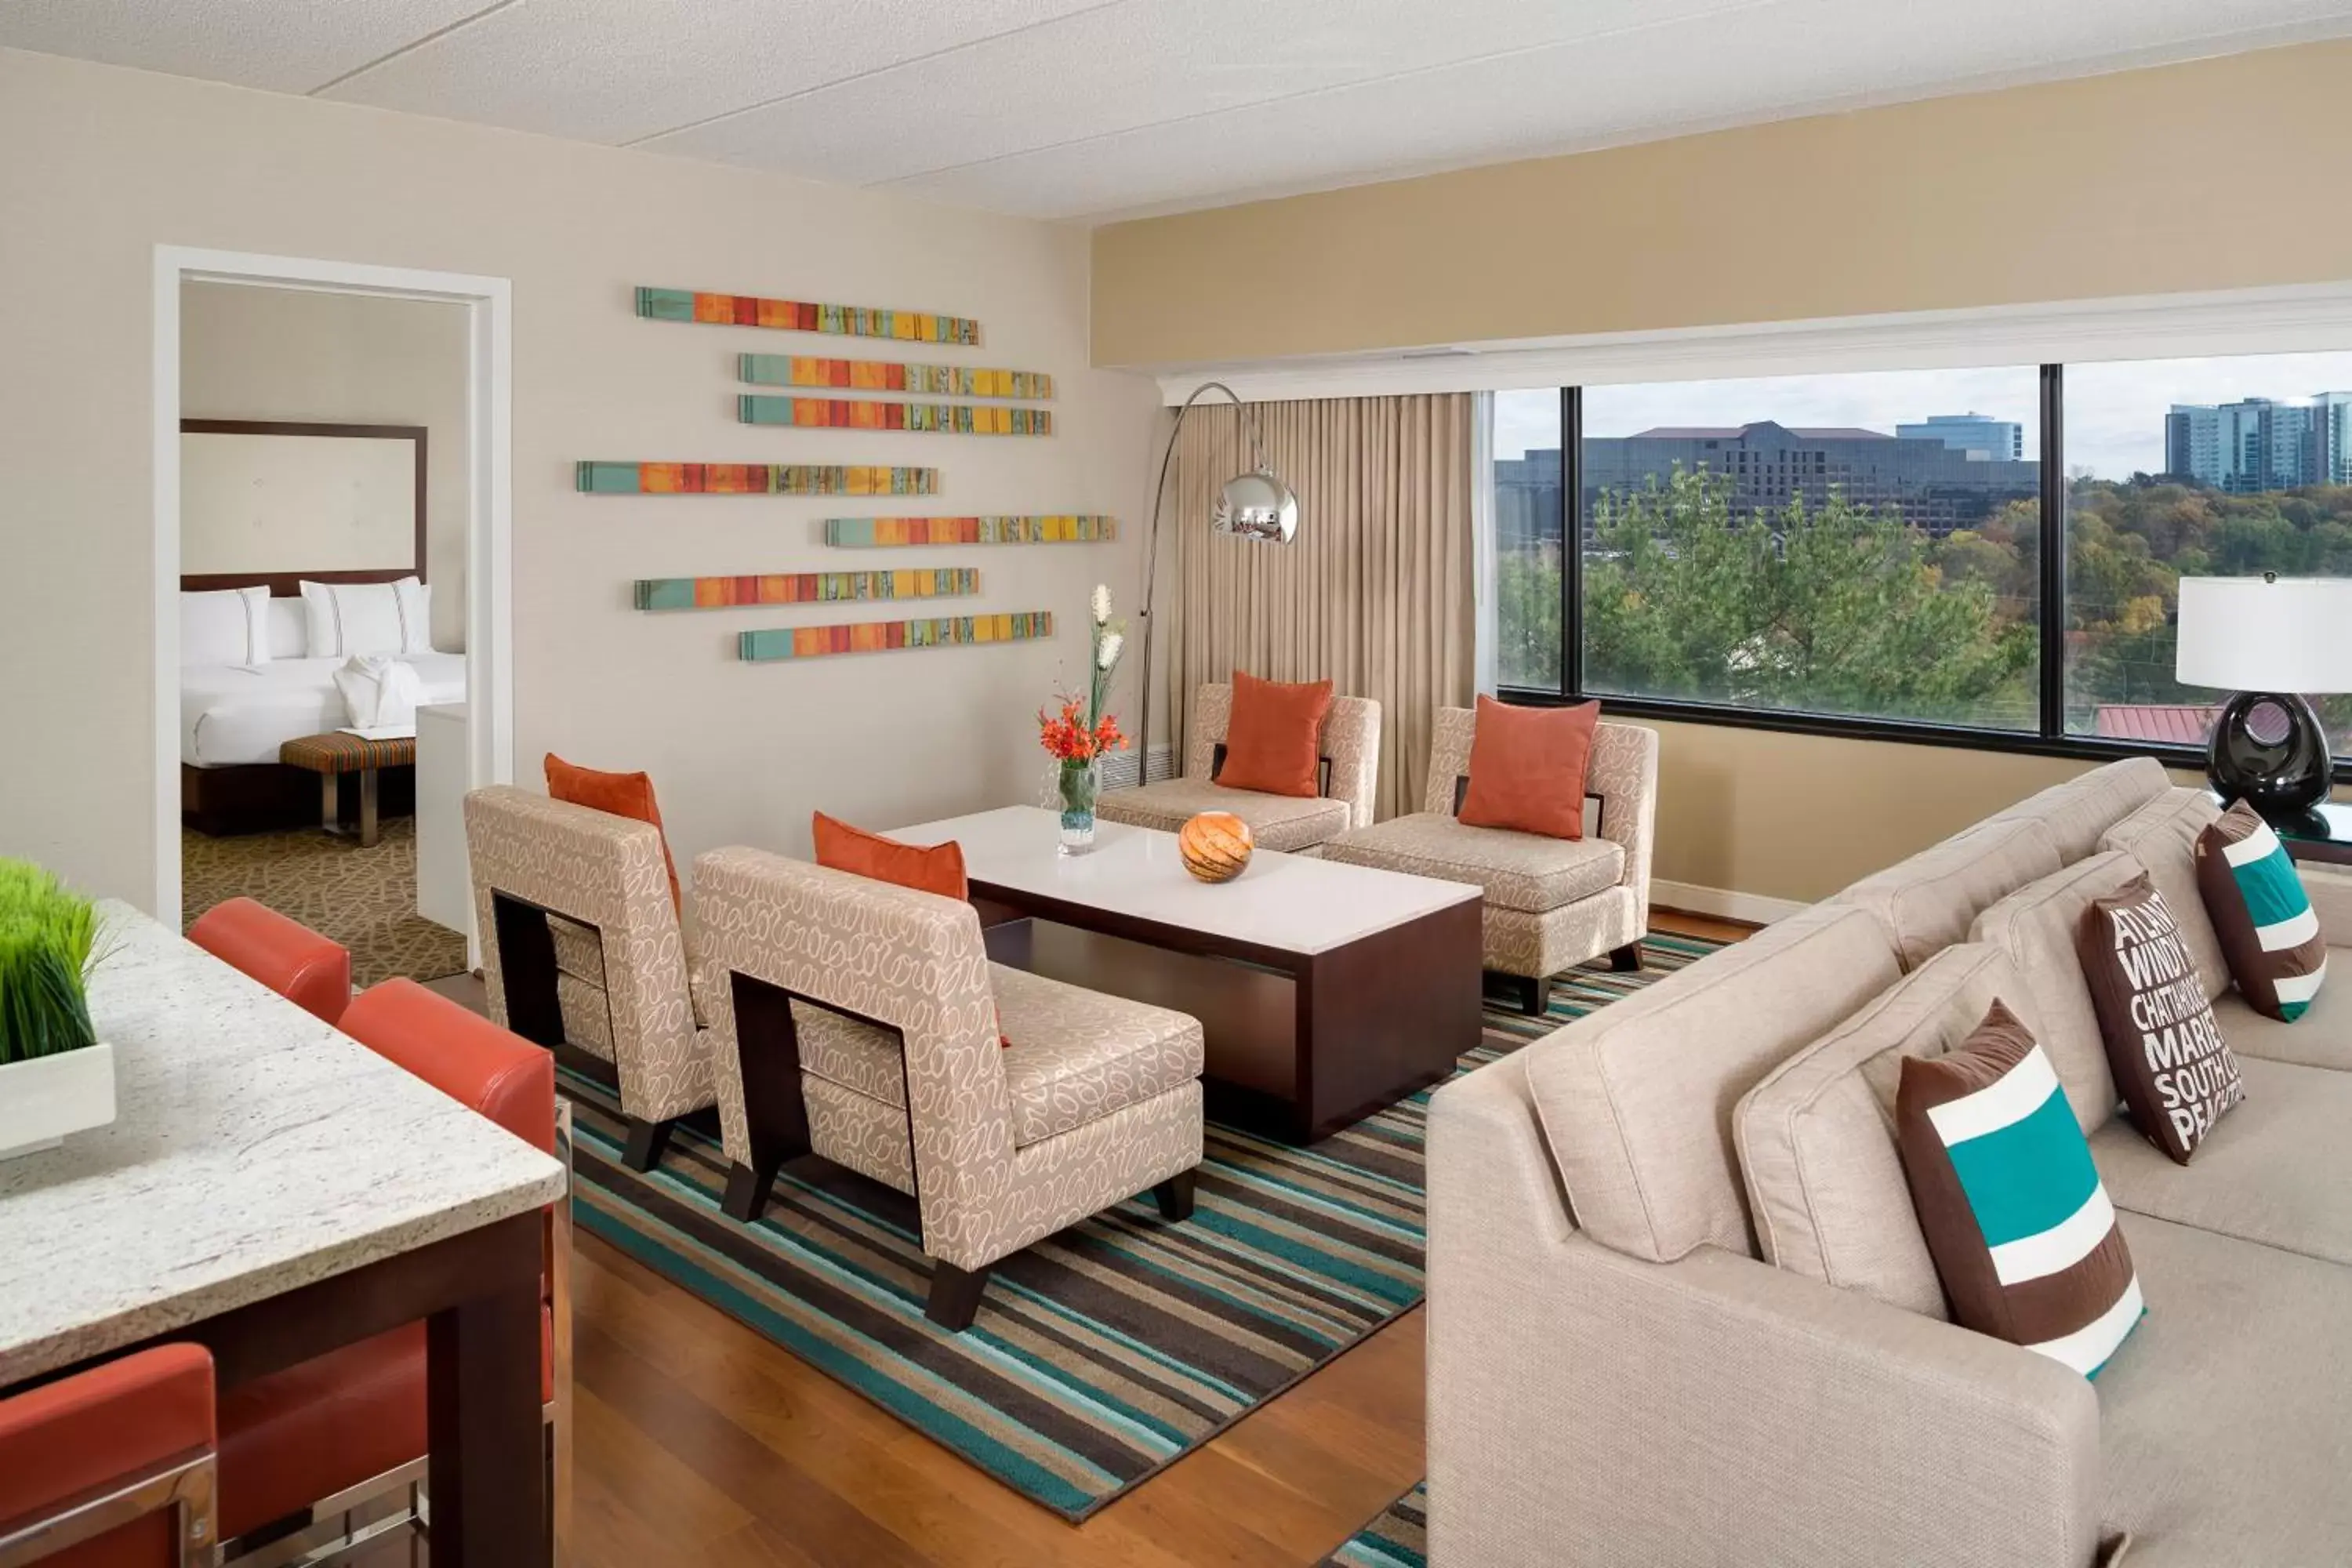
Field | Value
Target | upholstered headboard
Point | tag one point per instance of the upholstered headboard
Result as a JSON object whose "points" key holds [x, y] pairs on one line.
{"points": [[275, 502]]}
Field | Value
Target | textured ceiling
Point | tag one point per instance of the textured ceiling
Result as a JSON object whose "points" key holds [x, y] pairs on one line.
{"points": [[1077, 108]]}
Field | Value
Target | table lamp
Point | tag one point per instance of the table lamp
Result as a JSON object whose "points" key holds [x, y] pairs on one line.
{"points": [[2272, 642]]}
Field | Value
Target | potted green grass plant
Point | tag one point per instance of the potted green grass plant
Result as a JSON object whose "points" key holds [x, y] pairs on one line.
{"points": [[56, 1077]]}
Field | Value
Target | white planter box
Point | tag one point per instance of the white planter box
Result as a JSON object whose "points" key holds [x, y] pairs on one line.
{"points": [[44, 1099]]}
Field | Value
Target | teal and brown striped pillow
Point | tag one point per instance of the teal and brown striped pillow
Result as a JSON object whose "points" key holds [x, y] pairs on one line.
{"points": [[2015, 1216], [2269, 933]]}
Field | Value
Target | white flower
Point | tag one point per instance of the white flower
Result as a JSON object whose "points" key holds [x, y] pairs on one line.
{"points": [[1107, 651], [1101, 603]]}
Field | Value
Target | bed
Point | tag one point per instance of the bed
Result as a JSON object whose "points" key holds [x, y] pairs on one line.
{"points": [[234, 713]]}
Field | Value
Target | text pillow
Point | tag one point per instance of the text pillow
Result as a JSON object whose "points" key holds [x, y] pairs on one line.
{"points": [[2170, 1063], [2268, 931], [1274, 737], [1527, 767], [2016, 1217]]}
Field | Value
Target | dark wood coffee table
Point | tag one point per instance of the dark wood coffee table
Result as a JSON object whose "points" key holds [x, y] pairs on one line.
{"points": [[1325, 991]]}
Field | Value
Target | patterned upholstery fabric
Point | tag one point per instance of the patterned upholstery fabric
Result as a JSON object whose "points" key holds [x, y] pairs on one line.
{"points": [[1352, 740], [1276, 821], [1518, 870], [914, 960], [1077, 1056], [341, 753], [1550, 902], [608, 872], [578, 950]]}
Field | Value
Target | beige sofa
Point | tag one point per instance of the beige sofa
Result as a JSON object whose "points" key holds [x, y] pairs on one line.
{"points": [[1680, 1311]]}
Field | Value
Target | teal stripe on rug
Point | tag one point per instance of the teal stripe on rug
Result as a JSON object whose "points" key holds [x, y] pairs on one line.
{"points": [[1397, 1538]]}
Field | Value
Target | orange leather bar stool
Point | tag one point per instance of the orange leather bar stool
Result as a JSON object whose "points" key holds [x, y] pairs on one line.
{"points": [[286, 955], [111, 1467], [352, 1423]]}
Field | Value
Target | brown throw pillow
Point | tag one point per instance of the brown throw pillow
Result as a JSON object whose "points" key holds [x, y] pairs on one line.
{"points": [[1527, 767], [1272, 739], [2015, 1216], [2174, 1069], [2270, 933]]}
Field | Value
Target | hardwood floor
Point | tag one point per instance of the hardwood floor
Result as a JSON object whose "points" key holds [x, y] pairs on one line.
{"points": [[696, 1441]]}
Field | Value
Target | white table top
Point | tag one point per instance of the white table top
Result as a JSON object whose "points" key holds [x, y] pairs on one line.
{"points": [[1290, 902], [253, 1149]]}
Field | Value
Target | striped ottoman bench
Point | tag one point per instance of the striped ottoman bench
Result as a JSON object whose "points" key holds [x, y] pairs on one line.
{"points": [[331, 756]]}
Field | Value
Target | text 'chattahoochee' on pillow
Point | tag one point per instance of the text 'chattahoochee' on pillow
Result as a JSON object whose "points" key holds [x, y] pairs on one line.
{"points": [[2171, 1064], [2269, 932], [2015, 1216]]}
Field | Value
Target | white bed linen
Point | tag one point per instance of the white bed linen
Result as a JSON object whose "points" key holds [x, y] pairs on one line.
{"points": [[231, 714]]}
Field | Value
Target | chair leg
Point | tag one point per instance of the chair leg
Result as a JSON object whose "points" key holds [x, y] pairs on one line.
{"points": [[1174, 1196], [747, 1191], [955, 1296], [1531, 997], [647, 1140], [1625, 959]]}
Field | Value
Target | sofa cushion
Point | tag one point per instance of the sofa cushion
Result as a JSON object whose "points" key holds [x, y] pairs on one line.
{"points": [[2223, 1422], [851, 1052], [1272, 737], [2270, 933], [1523, 871], [2162, 836], [2276, 1171], [2075, 813], [1637, 1100], [1926, 901], [1527, 768], [2172, 1067], [578, 949], [2036, 926], [2322, 1037], [1816, 1136], [1276, 821], [1079, 1055]]}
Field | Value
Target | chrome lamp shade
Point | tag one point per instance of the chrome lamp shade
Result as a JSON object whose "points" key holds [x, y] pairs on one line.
{"points": [[1257, 505]]}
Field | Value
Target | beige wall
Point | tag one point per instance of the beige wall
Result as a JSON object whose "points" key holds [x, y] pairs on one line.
{"points": [[2218, 175], [111, 162], [344, 359]]}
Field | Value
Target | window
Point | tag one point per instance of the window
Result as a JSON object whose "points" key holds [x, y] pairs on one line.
{"points": [[1864, 553]]}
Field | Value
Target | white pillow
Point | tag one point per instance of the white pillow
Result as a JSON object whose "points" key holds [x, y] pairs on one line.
{"points": [[360, 618], [225, 625], [289, 629]]}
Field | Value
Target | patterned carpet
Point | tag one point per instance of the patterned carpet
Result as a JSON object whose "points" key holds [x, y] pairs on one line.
{"points": [[365, 898], [1107, 1351], [1398, 1538]]}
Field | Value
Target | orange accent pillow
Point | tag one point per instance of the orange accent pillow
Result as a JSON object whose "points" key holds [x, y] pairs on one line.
{"points": [[1527, 768], [935, 868], [621, 794], [1273, 737]]}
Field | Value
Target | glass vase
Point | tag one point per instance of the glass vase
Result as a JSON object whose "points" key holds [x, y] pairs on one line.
{"points": [[1079, 784]]}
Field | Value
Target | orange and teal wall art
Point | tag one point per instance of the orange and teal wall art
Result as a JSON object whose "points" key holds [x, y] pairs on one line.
{"points": [[853, 413], [881, 532], [801, 316], [881, 637], [751, 480], [805, 588], [889, 376]]}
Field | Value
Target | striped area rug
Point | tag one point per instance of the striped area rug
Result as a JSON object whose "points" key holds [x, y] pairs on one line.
{"points": [[1108, 1351], [1398, 1538]]}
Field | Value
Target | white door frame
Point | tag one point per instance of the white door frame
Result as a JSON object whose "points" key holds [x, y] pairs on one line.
{"points": [[490, 611]]}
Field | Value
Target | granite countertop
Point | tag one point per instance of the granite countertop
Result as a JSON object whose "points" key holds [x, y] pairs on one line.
{"points": [[253, 1149]]}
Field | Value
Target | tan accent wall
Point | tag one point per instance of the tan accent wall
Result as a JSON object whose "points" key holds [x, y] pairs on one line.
{"points": [[1800, 816], [2215, 175], [106, 163]]}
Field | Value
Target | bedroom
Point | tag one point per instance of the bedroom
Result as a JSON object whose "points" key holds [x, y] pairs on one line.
{"points": [[325, 525]]}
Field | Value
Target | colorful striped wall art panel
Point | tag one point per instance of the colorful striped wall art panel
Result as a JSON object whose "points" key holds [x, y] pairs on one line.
{"points": [[751, 480], [853, 413], [801, 316], [878, 637], [889, 376], [882, 532], [805, 588]]}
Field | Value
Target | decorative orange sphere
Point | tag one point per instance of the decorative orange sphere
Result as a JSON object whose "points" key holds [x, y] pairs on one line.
{"points": [[1215, 845]]}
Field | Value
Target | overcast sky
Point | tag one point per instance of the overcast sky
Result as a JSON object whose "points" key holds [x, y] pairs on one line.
{"points": [[2114, 413]]}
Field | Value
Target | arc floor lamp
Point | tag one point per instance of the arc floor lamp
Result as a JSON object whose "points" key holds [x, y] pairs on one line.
{"points": [[1253, 505]]}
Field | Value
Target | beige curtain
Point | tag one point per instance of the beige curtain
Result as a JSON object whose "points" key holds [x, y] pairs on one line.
{"points": [[1377, 592]]}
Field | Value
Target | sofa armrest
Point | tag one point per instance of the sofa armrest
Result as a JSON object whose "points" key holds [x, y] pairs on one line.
{"points": [[1624, 773], [2330, 893], [1589, 1407]]}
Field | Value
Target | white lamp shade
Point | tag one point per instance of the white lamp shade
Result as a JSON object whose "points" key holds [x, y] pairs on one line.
{"points": [[2256, 633]]}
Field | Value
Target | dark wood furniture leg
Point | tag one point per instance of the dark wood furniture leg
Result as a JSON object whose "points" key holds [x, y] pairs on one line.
{"points": [[648, 1143], [1531, 997], [955, 1296], [768, 1055], [1174, 1196], [1626, 959], [485, 1472]]}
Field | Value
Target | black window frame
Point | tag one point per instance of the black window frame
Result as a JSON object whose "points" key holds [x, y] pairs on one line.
{"points": [[2048, 739]]}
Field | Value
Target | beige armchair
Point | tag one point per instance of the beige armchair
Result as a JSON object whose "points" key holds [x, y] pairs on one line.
{"points": [[1350, 753], [859, 1021], [583, 952], [1550, 902]]}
